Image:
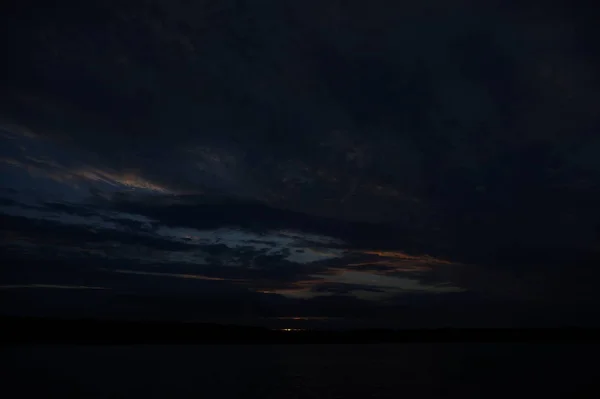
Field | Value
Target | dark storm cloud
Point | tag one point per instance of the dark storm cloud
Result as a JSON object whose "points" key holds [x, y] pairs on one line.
{"points": [[383, 149], [421, 145]]}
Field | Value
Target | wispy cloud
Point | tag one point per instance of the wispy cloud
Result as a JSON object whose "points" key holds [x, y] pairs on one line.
{"points": [[389, 262], [38, 167], [175, 275], [364, 285]]}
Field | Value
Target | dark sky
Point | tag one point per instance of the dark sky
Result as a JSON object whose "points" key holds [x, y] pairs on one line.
{"points": [[406, 164]]}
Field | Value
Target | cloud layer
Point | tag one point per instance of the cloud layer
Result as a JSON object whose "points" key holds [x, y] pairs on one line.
{"points": [[301, 156]]}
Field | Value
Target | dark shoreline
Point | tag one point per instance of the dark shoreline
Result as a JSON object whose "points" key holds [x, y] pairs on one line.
{"points": [[28, 330]]}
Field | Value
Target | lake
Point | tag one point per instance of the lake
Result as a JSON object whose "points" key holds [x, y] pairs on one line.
{"points": [[301, 371]]}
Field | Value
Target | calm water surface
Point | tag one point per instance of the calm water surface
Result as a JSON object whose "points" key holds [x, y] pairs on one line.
{"points": [[302, 371]]}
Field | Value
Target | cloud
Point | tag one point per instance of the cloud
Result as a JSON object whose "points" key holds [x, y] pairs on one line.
{"points": [[266, 250], [277, 261], [176, 275], [287, 262], [85, 174], [423, 161], [363, 285]]}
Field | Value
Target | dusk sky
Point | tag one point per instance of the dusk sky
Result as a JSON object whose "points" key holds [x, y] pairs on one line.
{"points": [[377, 162]]}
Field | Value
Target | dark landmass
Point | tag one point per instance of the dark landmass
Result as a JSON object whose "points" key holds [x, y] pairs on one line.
{"points": [[81, 331]]}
